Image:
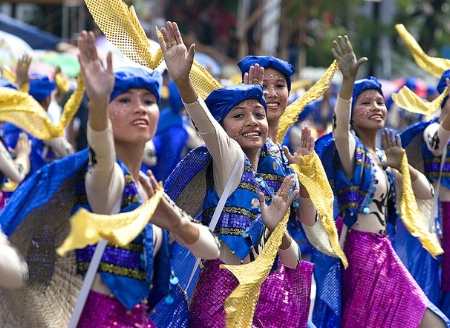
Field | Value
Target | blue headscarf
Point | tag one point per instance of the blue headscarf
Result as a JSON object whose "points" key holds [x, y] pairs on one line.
{"points": [[268, 62], [221, 101], [41, 86], [442, 85], [136, 78], [370, 83], [4, 83]]}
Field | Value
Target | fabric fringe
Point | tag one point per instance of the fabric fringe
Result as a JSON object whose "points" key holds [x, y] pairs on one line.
{"points": [[312, 175], [410, 213]]}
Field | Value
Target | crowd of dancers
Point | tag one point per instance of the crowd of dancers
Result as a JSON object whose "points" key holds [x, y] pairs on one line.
{"points": [[222, 189]]}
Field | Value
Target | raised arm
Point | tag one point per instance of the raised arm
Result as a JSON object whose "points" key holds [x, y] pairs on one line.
{"points": [[179, 59], [349, 66], [104, 181]]}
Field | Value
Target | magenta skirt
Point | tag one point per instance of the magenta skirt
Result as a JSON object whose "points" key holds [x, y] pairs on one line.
{"points": [[103, 311], [445, 242], [377, 289], [284, 299]]}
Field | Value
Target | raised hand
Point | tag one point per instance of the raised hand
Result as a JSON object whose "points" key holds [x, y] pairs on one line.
{"points": [[178, 58], [22, 68], [306, 146], [255, 75], [393, 149], [346, 58], [23, 146], [274, 213], [99, 81]]}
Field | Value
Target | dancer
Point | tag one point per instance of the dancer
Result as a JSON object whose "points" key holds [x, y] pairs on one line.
{"points": [[427, 142], [371, 298], [123, 115], [232, 122], [122, 118], [274, 75]]}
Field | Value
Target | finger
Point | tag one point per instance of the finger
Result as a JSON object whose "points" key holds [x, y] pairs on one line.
{"points": [[384, 140], [347, 44], [361, 61], [109, 63], [342, 45], [251, 73], [398, 140], [261, 74], [165, 38], [287, 153], [246, 78], [312, 144], [336, 49], [391, 137], [191, 53], [262, 201]]}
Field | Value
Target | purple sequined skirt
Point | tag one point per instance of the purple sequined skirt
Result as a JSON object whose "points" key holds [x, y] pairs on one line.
{"points": [[445, 242], [284, 299], [377, 289], [103, 311], [3, 199]]}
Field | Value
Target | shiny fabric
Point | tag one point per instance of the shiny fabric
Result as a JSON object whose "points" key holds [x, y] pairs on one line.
{"points": [[240, 223], [284, 299], [445, 222], [103, 311], [420, 263], [378, 291]]}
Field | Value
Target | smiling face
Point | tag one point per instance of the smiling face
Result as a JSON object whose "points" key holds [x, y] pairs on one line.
{"points": [[247, 124], [276, 94], [134, 116], [369, 111]]}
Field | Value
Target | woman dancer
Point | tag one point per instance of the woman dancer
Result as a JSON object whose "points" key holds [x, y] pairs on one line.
{"points": [[233, 123], [377, 288]]}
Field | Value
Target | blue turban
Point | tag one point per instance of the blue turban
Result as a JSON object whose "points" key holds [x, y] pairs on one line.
{"points": [[268, 62], [41, 86], [370, 83], [4, 83], [136, 78], [442, 85], [221, 101]]}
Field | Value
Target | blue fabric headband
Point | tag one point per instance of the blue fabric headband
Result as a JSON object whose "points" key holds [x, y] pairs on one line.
{"points": [[136, 78], [369, 83], [41, 86], [221, 101], [268, 62]]}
